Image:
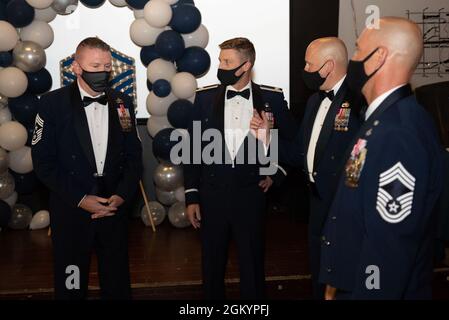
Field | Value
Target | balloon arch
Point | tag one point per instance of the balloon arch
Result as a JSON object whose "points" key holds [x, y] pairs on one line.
{"points": [[172, 41]]}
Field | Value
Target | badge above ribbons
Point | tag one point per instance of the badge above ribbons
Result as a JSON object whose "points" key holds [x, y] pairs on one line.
{"points": [[123, 75], [395, 194]]}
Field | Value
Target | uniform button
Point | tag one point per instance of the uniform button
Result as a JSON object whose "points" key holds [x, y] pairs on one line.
{"points": [[73, 157], [328, 243], [72, 173], [334, 218], [332, 157], [329, 270], [323, 238], [314, 174]]}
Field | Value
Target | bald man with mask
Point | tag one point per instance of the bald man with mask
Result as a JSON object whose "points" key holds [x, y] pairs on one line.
{"points": [[380, 229], [331, 119]]}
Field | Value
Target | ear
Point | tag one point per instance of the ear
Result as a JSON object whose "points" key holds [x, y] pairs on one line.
{"points": [[329, 67], [76, 68], [381, 55], [247, 66]]}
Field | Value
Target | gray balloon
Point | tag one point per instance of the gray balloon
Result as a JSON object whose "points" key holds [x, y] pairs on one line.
{"points": [[28, 56], [167, 198], [168, 177], [3, 101], [4, 161], [65, 7], [157, 212], [177, 215], [7, 185], [21, 217]]}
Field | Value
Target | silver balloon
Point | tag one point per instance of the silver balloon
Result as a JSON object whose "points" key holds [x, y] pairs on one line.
{"points": [[21, 217], [40, 220], [3, 101], [177, 215], [7, 185], [4, 161], [166, 197], [157, 212], [29, 56], [64, 7], [168, 177]]}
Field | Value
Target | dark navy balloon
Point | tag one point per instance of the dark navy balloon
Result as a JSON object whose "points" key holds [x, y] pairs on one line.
{"points": [[5, 59], [5, 214], [19, 13], [148, 54], [186, 18], [93, 3], [170, 45], [149, 85], [179, 113], [162, 145], [162, 88], [195, 60], [24, 108], [39, 82], [137, 4], [25, 183]]}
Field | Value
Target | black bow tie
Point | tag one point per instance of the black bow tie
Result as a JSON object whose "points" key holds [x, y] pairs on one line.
{"points": [[330, 95], [102, 100], [245, 94]]}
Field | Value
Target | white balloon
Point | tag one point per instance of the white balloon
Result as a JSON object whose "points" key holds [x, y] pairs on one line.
{"points": [[12, 199], [184, 85], [39, 32], [13, 82], [9, 36], [41, 220], [5, 116], [13, 136], [20, 160], [156, 124], [138, 13], [40, 4], [160, 69], [157, 106], [157, 13], [143, 34], [46, 15], [119, 3], [198, 38]]}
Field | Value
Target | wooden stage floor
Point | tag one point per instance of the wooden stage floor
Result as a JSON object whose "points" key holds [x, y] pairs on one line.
{"points": [[167, 264]]}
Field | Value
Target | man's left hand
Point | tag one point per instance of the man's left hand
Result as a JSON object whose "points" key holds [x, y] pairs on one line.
{"points": [[114, 201], [266, 184]]}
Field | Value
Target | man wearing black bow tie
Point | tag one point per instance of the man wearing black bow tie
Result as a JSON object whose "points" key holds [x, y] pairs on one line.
{"points": [[331, 119], [226, 199], [86, 150]]}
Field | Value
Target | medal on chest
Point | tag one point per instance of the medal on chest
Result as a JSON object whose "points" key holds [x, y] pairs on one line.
{"points": [[124, 116], [342, 119], [355, 164]]}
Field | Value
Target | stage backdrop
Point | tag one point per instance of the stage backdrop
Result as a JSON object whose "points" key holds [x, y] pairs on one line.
{"points": [[265, 22], [433, 18]]}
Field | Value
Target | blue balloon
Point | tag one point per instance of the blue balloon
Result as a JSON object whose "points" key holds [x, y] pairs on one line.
{"points": [[195, 60], [25, 183], [170, 45], [149, 85], [148, 54], [161, 88], [137, 4], [180, 2], [39, 82], [19, 13], [162, 145], [5, 214], [24, 108], [179, 113], [5, 59], [93, 3], [186, 18]]}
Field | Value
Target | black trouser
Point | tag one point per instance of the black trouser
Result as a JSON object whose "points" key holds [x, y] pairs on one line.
{"points": [[314, 237], [74, 236], [236, 213]]}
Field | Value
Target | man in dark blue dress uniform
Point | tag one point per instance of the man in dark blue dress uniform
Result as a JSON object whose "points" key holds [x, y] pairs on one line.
{"points": [[377, 241], [86, 150], [226, 197]]}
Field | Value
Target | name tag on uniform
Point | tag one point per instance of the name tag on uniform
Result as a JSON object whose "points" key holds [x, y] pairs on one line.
{"points": [[342, 119], [355, 164], [124, 116]]}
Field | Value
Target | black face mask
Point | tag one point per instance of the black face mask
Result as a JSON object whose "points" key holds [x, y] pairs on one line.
{"points": [[313, 80], [97, 81], [228, 77], [356, 75]]}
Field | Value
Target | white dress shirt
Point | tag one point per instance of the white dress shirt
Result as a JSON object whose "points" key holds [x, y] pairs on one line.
{"points": [[378, 101], [98, 121], [318, 125], [237, 118]]}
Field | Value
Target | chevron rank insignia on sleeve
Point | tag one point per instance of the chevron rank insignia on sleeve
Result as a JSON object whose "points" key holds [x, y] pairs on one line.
{"points": [[38, 130]]}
